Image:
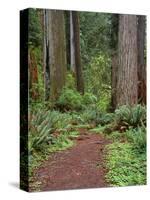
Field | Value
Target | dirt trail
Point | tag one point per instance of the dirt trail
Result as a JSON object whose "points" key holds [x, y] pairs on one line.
{"points": [[78, 167]]}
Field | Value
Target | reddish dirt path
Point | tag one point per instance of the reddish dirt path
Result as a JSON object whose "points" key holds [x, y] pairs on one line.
{"points": [[78, 167]]}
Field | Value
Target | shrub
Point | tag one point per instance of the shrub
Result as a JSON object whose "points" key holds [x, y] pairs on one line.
{"points": [[104, 101], [70, 99], [131, 116], [41, 126], [89, 98], [106, 118], [70, 81], [138, 138], [91, 115]]}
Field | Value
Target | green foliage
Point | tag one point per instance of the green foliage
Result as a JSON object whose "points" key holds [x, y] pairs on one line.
{"points": [[92, 42], [42, 124], [104, 101], [138, 138], [126, 161], [131, 116], [89, 98], [61, 143], [70, 99], [70, 81], [126, 156], [125, 166], [98, 75], [115, 136], [42, 140], [99, 129], [35, 30], [91, 115], [106, 118]]}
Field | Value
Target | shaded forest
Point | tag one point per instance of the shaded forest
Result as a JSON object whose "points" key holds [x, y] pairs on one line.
{"points": [[87, 76]]}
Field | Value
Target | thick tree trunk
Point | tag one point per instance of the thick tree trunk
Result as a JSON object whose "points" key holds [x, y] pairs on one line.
{"points": [[56, 52], [33, 81], [78, 67], [141, 61], [127, 92], [114, 69], [72, 45], [114, 59], [46, 70]]}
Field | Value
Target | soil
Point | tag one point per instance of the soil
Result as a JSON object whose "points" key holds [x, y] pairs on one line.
{"points": [[81, 166]]}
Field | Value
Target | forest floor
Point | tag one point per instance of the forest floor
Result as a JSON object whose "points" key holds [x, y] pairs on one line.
{"points": [[81, 166]]}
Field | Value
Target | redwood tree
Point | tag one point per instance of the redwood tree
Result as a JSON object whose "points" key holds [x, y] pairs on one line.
{"points": [[127, 90], [114, 58], [76, 58], [141, 60], [72, 45], [55, 53]]}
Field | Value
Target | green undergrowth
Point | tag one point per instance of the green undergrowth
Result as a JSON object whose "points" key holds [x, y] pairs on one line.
{"points": [[126, 158], [55, 129], [99, 129], [126, 166]]}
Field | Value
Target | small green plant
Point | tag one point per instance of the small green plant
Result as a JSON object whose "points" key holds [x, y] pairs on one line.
{"points": [[115, 136], [131, 116], [91, 115], [89, 98], [41, 126], [70, 100], [125, 166], [104, 101], [138, 138], [61, 143], [70, 81], [106, 118], [99, 129]]}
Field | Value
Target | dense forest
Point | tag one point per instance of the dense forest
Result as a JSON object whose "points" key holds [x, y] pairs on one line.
{"points": [[87, 85]]}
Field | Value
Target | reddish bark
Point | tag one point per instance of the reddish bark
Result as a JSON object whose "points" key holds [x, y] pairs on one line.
{"points": [[33, 75]]}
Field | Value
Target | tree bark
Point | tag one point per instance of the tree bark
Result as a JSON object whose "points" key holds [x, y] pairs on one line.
{"points": [[46, 70], [114, 69], [114, 59], [33, 75], [141, 60], [78, 67], [56, 52], [72, 45], [127, 90]]}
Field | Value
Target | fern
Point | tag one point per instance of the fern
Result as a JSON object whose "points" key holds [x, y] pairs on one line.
{"points": [[42, 124], [131, 116]]}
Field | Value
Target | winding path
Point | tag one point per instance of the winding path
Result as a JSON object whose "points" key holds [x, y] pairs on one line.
{"points": [[81, 166]]}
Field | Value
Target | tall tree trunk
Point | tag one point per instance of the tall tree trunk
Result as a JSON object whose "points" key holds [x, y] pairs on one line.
{"points": [[55, 52], [141, 60], [72, 45], [33, 82], [114, 69], [67, 30], [127, 92], [46, 70], [78, 67], [114, 59]]}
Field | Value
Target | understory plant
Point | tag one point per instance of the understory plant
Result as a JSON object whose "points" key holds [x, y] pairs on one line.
{"points": [[131, 116], [126, 157], [125, 165]]}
